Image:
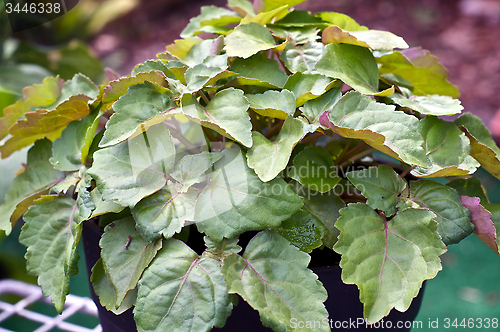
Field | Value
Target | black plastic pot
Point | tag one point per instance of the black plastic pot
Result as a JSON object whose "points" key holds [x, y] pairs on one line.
{"points": [[346, 311]]}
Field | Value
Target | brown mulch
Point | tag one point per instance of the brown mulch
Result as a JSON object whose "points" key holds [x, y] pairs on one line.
{"points": [[464, 34]]}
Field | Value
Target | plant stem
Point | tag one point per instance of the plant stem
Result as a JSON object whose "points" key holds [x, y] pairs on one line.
{"points": [[274, 130], [204, 97], [406, 171], [209, 134], [312, 137], [357, 156], [346, 155]]}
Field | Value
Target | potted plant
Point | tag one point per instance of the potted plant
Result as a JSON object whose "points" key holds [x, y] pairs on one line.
{"points": [[308, 132]]}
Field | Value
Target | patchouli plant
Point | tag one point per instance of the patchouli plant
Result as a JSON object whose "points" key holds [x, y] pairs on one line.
{"points": [[307, 131]]}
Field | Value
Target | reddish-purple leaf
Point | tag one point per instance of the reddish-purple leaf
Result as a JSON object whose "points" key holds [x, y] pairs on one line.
{"points": [[481, 218]]}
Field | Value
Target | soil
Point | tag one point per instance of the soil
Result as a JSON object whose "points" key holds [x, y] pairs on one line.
{"points": [[463, 34]]}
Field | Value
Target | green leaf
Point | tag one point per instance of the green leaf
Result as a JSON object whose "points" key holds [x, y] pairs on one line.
{"points": [[268, 5], [67, 150], [248, 39], [236, 200], [481, 218], [314, 108], [425, 75], [63, 186], [266, 17], [388, 260], [164, 213], [125, 255], [268, 158], [430, 105], [145, 104], [341, 20], [272, 276], [222, 249], [212, 69], [308, 86], [379, 125], [210, 15], [44, 123], [296, 35], [260, 71], [181, 291], [52, 257], [469, 187], [191, 169], [36, 180], [242, 7], [313, 167], [129, 171], [381, 185], [354, 65], [226, 113], [483, 148], [300, 19], [107, 295], [303, 230], [380, 40], [302, 58], [453, 219], [447, 148], [325, 207], [78, 85], [37, 95], [275, 104], [118, 88]]}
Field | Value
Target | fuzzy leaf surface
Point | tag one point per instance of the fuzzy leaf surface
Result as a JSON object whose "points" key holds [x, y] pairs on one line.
{"points": [[354, 65], [268, 158], [381, 185], [387, 260], [430, 105], [313, 167], [131, 170], [379, 125], [226, 113], [191, 169], [452, 218], [272, 103], [181, 291], [303, 58], [236, 200], [51, 235], [248, 39], [272, 276], [483, 148], [125, 255], [164, 213], [36, 180], [142, 103], [446, 147]]}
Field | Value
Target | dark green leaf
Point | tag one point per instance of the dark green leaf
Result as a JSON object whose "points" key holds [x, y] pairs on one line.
{"points": [[313, 167], [260, 71], [222, 249], [275, 104], [303, 230], [191, 169], [308, 86], [381, 185], [469, 187], [303, 58], [313, 109], [354, 65]]}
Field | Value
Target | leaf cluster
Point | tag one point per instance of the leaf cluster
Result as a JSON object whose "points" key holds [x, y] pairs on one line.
{"points": [[310, 130]]}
